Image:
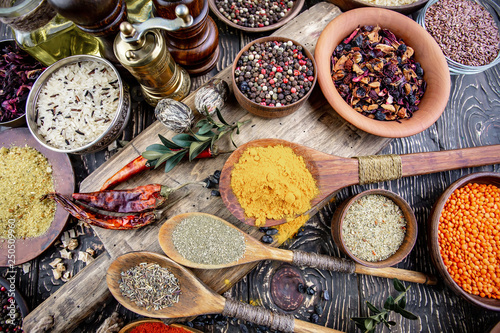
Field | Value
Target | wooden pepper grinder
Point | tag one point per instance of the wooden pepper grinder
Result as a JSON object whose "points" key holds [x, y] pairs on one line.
{"points": [[100, 18], [196, 48]]}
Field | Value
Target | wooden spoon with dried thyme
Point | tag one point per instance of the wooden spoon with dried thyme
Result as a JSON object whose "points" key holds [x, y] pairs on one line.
{"points": [[192, 297]]}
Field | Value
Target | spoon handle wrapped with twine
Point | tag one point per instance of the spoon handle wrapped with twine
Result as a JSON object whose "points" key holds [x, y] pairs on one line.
{"points": [[304, 259]]}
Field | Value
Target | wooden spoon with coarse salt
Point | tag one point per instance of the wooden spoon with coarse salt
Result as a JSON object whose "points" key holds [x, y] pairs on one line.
{"points": [[333, 173], [256, 251]]}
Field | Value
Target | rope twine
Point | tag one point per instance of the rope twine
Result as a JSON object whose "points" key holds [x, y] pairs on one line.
{"points": [[33, 20], [379, 168], [301, 258], [259, 316]]}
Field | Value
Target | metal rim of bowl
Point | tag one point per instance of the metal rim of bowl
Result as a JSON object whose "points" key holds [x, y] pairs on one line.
{"points": [[399, 7], [37, 86], [455, 67]]}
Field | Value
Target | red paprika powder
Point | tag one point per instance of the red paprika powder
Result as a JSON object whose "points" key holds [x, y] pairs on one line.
{"points": [[157, 328]]}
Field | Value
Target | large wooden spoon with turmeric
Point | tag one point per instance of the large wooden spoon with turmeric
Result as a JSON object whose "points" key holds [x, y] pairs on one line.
{"points": [[256, 251], [333, 173]]}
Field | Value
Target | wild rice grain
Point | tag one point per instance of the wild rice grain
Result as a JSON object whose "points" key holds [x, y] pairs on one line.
{"points": [[465, 31]]}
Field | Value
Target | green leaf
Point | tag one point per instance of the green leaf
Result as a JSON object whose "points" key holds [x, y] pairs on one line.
{"points": [[359, 320], [372, 307], [406, 314], [167, 143], [399, 286], [164, 158], [389, 303], [208, 136], [158, 148], [174, 160], [202, 122], [205, 129], [402, 302], [151, 155], [196, 148], [219, 115], [369, 324], [184, 140]]}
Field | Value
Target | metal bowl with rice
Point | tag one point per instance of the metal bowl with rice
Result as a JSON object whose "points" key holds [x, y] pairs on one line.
{"points": [[78, 105]]}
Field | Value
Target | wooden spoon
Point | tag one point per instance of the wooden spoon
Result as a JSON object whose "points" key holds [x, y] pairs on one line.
{"points": [[256, 251], [333, 173], [197, 299]]}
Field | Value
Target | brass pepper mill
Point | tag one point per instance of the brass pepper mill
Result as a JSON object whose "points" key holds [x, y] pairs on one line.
{"points": [[142, 50]]}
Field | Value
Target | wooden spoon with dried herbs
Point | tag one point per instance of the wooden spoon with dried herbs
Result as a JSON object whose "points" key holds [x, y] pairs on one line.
{"points": [[333, 173], [190, 297], [205, 241]]}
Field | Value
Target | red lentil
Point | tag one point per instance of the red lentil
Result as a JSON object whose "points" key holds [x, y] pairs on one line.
{"points": [[469, 239]]}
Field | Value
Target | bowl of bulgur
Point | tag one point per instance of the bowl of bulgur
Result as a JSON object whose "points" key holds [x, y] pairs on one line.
{"points": [[29, 171]]}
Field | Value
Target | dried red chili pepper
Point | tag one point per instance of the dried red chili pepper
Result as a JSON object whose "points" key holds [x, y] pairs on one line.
{"points": [[135, 200], [101, 220], [138, 165]]}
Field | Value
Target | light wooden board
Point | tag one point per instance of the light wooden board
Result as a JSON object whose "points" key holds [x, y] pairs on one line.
{"points": [[315, 125]]}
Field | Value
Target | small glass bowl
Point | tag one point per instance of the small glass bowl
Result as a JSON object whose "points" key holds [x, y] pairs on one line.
{"points": [[457, 68]]}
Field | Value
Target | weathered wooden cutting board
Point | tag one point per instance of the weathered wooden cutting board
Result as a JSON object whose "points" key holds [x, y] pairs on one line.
{"points": [[315, 125]]}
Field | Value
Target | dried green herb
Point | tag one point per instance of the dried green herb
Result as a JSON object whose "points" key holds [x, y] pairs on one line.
{"points": [[398, 304], [194, 145]]}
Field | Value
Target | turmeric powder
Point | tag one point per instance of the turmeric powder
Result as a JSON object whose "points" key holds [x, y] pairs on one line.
{"points": [[273, 183]]}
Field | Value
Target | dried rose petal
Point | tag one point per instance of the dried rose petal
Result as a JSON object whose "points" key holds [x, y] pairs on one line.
{"points": [[376, 74], [18, 71]]}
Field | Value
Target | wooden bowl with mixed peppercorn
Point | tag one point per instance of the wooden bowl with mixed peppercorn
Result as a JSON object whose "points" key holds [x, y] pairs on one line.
{"points": [[273, 77], [382, 72], [375, 228], [464, 238]]}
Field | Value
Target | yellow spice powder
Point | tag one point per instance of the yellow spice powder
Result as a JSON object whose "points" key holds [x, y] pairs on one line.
{"points": [[25, 176], [273, 183]]}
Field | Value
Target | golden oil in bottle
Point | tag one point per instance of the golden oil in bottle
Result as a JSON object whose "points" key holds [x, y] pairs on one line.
{"points": [[56, 40]]}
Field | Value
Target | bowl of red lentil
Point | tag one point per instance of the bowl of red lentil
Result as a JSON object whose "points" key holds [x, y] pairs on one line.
{"points": [[402, 6], [464, 238], [273, 77], [395, 82], [468, 32], [375, 228]]}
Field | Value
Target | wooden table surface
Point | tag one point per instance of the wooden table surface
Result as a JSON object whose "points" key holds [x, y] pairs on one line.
{"points": [[471, 118]]}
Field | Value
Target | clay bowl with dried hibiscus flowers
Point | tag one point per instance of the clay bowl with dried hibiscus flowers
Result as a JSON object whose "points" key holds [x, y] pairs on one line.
{"points": [[385, 70], [448, 231], [264, 87]]}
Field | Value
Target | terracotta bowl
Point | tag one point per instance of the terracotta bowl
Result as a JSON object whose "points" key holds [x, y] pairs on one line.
{"points": [[294, 11], [270, 111], [404, 9], [427, 52], [408, 241], [433, 243]]}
